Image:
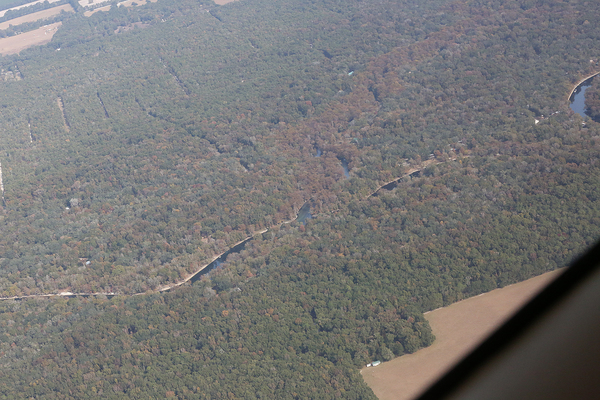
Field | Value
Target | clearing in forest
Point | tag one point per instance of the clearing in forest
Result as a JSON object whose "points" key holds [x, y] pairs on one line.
{"points": [[14, 44], [458, 328], [44, 14]]}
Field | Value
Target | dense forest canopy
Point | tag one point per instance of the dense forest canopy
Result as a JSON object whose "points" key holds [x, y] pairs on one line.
{"points": [[592, 100], [141, 142]]}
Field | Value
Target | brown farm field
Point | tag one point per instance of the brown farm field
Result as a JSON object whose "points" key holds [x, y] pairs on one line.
{"points": [[458, 328], [129, 3], [90, 12], [36, 16], [126, 3], [91, 3], [26, 5], [15, 44]]}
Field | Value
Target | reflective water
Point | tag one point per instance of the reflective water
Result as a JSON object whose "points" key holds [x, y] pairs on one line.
{"points": [[578, 98], [304, 214], [219, 260], [345, 166]]}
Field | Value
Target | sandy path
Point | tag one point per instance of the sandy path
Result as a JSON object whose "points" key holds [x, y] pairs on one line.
{"points": [[458, 329]]}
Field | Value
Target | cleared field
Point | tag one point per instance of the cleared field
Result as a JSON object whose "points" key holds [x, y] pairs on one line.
{"points": [[36, 16], [15, 44], [458, 328], [26, 5], [221, 2], [127, 3], [88, 13], [89, 3]]}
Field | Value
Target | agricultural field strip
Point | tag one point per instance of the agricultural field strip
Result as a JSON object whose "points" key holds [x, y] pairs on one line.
{"points": [[126, 3], [26, 5], [458, 328], [129, 3], [15, 44], [90, 3], [90, 12], [36, 16]]}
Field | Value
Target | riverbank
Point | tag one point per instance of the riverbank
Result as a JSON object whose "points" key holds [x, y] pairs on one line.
{"points": [[579, 84], [163, 288], [215, 258], [411, 171], [458, 328], [423, 165]]}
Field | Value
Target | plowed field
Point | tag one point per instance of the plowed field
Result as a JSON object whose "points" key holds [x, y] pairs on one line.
{"points": [[458, 329], [15, 44], [36, 16]]}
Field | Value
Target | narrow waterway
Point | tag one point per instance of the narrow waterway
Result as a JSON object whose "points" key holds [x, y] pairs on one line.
{"points": [[220, 260], [345, 166], [578, 98], [343, 161], [304, 214]]}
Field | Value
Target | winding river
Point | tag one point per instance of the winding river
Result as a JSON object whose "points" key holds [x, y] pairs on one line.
{"points": [[577, 95], [577, 103]]}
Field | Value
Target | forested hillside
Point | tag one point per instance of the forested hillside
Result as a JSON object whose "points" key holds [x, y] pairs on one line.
{"points": [[142, 142]]}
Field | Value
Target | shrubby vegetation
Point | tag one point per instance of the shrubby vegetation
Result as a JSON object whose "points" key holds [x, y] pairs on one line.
{"points": [[158, 136]]}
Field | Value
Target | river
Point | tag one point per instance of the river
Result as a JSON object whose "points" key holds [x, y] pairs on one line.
{"points": [[577, 97], [344, 162], [304, 214], [235, 249], [577, 104], [345, 166]]}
